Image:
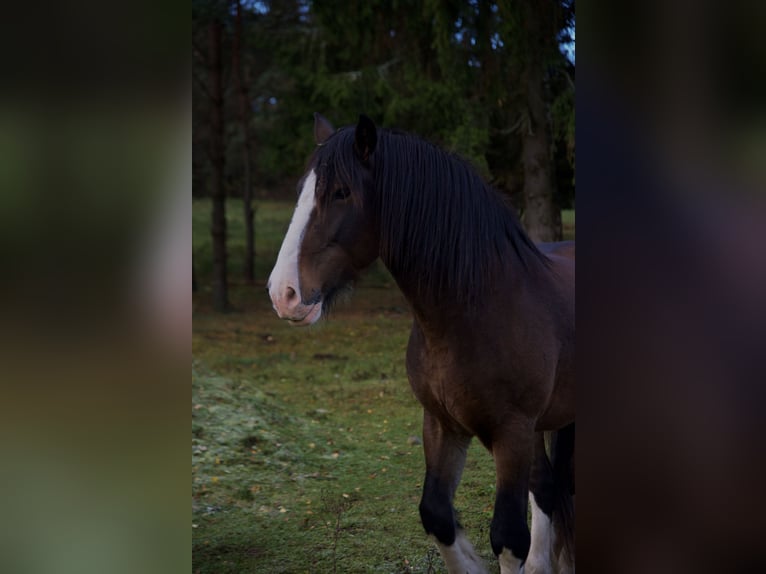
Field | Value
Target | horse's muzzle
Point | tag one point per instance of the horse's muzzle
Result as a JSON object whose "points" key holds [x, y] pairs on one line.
{"points": [[286, 301]]}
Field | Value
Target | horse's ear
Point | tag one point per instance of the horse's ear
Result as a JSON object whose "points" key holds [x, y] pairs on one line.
{"points": [[365, 137], [322, 128]]}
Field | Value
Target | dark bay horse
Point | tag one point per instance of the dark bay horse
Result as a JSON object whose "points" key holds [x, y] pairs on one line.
{"points": [[492, 347]]}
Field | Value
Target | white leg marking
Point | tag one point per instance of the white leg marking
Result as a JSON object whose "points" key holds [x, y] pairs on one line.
{"points": [[562, 561], [509, 564], [285, 272], [460, 557], [539, 559]]}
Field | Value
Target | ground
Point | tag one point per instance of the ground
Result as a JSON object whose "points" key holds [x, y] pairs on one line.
{"points": [[306, 452]]}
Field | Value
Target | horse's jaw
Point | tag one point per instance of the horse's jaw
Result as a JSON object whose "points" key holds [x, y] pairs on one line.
{"points": [[309, 318]]}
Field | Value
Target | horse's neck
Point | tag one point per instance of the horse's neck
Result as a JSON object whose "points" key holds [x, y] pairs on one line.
{"points": [[446, 312]]}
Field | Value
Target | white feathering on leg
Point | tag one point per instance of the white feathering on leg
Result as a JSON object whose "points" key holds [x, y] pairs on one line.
{"points": [[460, 557]]}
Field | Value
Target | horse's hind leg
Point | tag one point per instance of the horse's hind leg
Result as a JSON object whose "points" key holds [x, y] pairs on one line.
{"points": [[541, 499], [445, 452], [509, 534], [551, 486], [562, 455]]}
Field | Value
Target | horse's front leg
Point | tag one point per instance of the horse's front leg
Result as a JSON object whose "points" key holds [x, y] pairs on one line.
{"points": [[445, 451], [509, 534]]}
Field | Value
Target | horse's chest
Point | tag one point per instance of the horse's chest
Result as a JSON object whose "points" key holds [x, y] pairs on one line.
{"points": [[476, 384], [438, 387], [447, 383]]}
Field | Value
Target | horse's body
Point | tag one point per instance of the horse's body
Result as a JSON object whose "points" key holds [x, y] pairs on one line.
{"points": [[491, 353], [464, 367]]}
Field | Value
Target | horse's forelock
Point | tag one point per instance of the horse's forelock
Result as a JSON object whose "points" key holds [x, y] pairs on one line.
{"points": [[336, 162]]}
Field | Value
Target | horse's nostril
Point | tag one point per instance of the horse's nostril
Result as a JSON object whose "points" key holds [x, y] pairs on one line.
{"points": [[290, 293]]}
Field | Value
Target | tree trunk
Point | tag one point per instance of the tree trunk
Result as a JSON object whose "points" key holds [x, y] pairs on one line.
{"points": [[244, 118], [218, 228], [542, 218]]}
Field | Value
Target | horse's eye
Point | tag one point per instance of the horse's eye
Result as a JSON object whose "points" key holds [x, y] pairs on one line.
{"points": [[341, 194]]}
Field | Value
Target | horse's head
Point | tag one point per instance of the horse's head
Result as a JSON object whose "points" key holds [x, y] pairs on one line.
{"points": [[332, 235]]}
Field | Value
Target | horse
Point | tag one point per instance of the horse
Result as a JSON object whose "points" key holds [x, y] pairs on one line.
{"points": [[492, 346]]}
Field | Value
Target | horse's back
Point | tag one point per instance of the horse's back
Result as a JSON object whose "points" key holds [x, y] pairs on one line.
{"points": [[561, 248], [562, 257]]}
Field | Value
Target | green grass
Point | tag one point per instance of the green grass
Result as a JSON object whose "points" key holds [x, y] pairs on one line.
{"points": [[568, 223], [305, 454]]}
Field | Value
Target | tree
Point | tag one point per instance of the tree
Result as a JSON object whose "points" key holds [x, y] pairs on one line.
{"points": [[542, 217], [217, 156], [247, 145], [484, 79], [504, 62]]}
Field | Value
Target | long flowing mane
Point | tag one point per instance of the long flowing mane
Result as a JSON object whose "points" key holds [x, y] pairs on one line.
{"points": [[442, 227]]}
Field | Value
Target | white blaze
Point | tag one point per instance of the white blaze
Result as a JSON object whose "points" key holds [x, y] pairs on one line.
{"points": [[285, 272]]}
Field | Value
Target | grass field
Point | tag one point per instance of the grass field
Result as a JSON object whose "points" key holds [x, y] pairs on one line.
{"points": [[306, 453]]}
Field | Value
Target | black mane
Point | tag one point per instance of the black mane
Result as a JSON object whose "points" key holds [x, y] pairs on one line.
{"points": [[442, 228]]}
